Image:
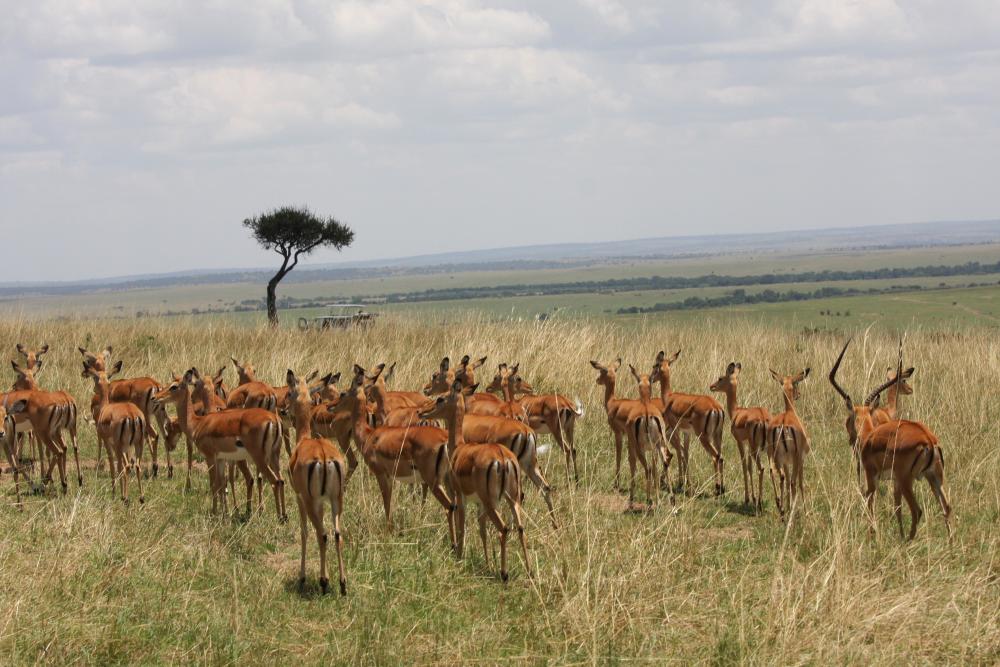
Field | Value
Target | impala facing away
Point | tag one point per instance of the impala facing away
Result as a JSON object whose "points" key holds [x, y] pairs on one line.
{"points": [[317, 470], [646, 431], [8, 431], [906, 450], [787, 444], [694, 414], [488, 472], [121, 429], [749, 429]]}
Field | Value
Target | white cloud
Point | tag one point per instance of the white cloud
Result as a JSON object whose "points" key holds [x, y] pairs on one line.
{"points": [[540, 115]]}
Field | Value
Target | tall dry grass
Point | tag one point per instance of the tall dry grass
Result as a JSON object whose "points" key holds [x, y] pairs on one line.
{"points": [[89, 580]]}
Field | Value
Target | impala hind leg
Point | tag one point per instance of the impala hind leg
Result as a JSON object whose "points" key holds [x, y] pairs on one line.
{"points": [[248, 480], [459, 523], [316, 517], [535, 475], [494, 515], [12, 460], [338, 537], [936, 479], [303, 542], [618, 456], [716, 457], [518, 520], [487, 556], [897, 506], [385, 486], [745, 467], [915, 512]]}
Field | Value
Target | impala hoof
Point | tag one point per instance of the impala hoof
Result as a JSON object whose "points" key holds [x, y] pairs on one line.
{"points": [[302, 584], [142, 500], [79, 480], [156, 470], [324, 585], [343, 587], [170, 472], [504, 577]]}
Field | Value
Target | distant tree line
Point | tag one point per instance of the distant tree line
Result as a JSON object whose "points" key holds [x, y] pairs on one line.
{"points": [[650, 283]]}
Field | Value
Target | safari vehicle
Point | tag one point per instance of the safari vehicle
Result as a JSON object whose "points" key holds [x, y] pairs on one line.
{"points": [[341, 316]]}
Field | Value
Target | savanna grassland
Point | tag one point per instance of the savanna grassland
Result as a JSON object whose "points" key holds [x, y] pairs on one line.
{"points": [[89, 580]]}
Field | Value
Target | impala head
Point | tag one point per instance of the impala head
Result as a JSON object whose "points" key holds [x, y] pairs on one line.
{"points": [[517, 384], [100, 376], [467, 369], [729, 379], [859, 417], [642, 379], [373, 383], [903, 387], [177, 389], [245, 372], [606, 374], [661, 367], [790, 383], [100, 361], [441, 379], [299, 392], [7, 417], [326, 389], [447, 404], [26, 376], [32, 357], [204, 385]]}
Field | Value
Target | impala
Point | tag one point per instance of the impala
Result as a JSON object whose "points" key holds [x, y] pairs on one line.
{"points": [[889, 412], [512, 434], [690, 414], [32, 360], [121, 428], [504, 381], [8, 431], [316, 468], [749, 428], [787, 444], [413, 454], [645, 429], [906, 450], [552, 414], [615, 408], [140, 392], [239, 435], [488, 472], [46, 415]]}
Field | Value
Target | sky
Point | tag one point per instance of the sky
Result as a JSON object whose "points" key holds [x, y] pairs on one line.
{"points": [[136, 137]]}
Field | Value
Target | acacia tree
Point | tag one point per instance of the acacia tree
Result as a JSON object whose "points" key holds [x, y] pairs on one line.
{"points": [[293, 232]]}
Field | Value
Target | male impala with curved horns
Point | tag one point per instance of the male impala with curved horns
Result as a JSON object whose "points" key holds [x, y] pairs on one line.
{"points": [[906, 450], [787, 444], [488, 472], [694, 414], [317, 470], [749, 429]]}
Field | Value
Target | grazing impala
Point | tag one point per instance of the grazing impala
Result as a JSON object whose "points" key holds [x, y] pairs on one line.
{"points": [[787, 444], [690, 414], [645, 429], [749, 428], [412, 454], [316, 468], [8, 430], [121, 428], [906, 450], [237, 435], [140, 392], [46, 415], [488, 472]]}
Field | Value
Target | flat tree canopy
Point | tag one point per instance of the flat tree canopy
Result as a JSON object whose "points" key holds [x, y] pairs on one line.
{"points": [[293, 232]]}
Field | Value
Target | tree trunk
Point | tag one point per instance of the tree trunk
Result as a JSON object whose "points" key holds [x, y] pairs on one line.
{"points": [[272, 305]]}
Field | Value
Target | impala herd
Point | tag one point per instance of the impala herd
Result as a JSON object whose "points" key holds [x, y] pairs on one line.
{"points": [[486, 452]]}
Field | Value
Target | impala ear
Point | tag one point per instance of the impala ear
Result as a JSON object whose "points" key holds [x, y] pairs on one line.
{"points": [[115, 370], [731, 368], [358, 370], [193, 372], [908, 373], [617, 364], [513, 369], [43, 349], [635, 373], [674, 358], [445, 364], [17, 369], [20, 349], [312, 376], [218, 376], [465, 360], [482, 360], [235, 363], [802, 376], [598, 366], [470, 390], [775, 375], [290, 379], [456, 386], [390, 373]]}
